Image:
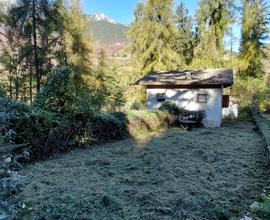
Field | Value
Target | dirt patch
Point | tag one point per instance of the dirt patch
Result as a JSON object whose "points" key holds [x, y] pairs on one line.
{"points": [[202, 174]]}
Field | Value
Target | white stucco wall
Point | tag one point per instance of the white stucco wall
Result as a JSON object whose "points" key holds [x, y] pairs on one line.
{"points": [[187, 99]]}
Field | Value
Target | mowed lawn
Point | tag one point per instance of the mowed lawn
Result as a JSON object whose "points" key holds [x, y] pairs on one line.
{"points": [[200, 174]]}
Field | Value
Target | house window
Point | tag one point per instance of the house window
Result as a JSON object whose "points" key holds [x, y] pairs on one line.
{"points": [[161, 97], [202, 98]]}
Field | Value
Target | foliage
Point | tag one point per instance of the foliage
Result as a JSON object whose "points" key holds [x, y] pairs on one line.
{"points": [[36, 37], [185, 40], [170, 107], [58, 94], [138, 106], [244, 113], [248, 88], [195, 116], [264, 210], [21, 124], [109, 95], [186, 115], [75, 45], [36, 23], [213, 20], [255, 31], [142, 121], [150, 36], [2, 92], [106, 126]]}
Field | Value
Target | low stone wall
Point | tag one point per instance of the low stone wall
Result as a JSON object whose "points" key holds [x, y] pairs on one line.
{"points": [[263, 128]]}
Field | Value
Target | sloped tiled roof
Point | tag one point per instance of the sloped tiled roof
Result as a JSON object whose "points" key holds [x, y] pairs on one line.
{"points": [[208, 77]]}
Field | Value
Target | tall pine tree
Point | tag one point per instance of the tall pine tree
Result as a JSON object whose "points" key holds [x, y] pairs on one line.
{"points": [[34, 20], [185, 39], [255, 30], [151, 34], [213, 20]]}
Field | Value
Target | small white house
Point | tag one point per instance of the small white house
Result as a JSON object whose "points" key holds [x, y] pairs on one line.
{"points": [[191, 90]]}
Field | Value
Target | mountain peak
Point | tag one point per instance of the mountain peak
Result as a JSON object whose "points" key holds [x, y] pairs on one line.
{"points": [[99, 16]]}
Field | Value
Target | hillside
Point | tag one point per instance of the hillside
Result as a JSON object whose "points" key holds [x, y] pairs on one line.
{"points": [[105, 30]]}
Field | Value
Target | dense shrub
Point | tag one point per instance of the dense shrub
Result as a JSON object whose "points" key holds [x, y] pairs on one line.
{"points": [[2, 92], [249, 88], [21, 124], [183, 115], [196, 116], [263, 212], [140, 121], [244, 113], [107, 126], [59, 93], [170, 107], [48, 132], [138, 106]]}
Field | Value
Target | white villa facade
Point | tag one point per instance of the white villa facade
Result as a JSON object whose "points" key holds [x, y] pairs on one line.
{"points": [[191, 90]]}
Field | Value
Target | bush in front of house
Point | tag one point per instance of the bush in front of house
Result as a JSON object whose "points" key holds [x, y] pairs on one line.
{"points": [[170, 107], [140, 121], [182, 114], [196, 116], [138, 106]]}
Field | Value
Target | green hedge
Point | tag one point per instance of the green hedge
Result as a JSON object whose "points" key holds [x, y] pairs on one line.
{"points": [[47, 133], [140, 121]]}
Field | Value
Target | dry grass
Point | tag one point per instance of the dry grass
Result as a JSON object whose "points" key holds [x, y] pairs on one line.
{"points": [[202, 174]]}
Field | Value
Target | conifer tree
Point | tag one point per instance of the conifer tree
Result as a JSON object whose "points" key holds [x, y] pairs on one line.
{"points": [[185, 39], [34, 20], [213, 20], [151, 34], [255, 30]]}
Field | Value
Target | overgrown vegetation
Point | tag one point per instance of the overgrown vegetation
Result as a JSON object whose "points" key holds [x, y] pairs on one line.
{"points": [[174, 174], [58, 122], [57, 93]]}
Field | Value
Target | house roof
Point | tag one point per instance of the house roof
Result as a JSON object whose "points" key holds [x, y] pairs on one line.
{"points": [[193, 78]]}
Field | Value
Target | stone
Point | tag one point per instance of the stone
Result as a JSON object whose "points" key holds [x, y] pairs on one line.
{"points": [[210, 157], [3, 215], [255, 205], [106, 201], [246, 218], [2, 173], [8, 160]]}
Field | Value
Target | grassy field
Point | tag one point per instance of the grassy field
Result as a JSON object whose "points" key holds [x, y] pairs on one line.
{"points": [[174, 174]]}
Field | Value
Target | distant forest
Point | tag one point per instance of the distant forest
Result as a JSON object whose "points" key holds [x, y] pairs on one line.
{"points": [[40, 37]]}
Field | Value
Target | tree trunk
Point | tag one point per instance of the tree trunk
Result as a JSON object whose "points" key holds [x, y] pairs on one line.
{"points": [[10, 84], [36, 61], [16, 84], [30, 81]]}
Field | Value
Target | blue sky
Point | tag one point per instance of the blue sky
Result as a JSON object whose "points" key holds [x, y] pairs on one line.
{"points": [[122, 11]]}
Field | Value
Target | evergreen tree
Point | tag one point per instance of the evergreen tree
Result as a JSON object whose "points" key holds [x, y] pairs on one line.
{"points": [[185, 40], [75, 44], [151, 34], [255, 21], [213, 20], [110, 94], [33, 18], [36, 36], [10, 54]]}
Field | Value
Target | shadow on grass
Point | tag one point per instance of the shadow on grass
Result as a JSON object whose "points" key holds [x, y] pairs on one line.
{"points": [[173, 174]]}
